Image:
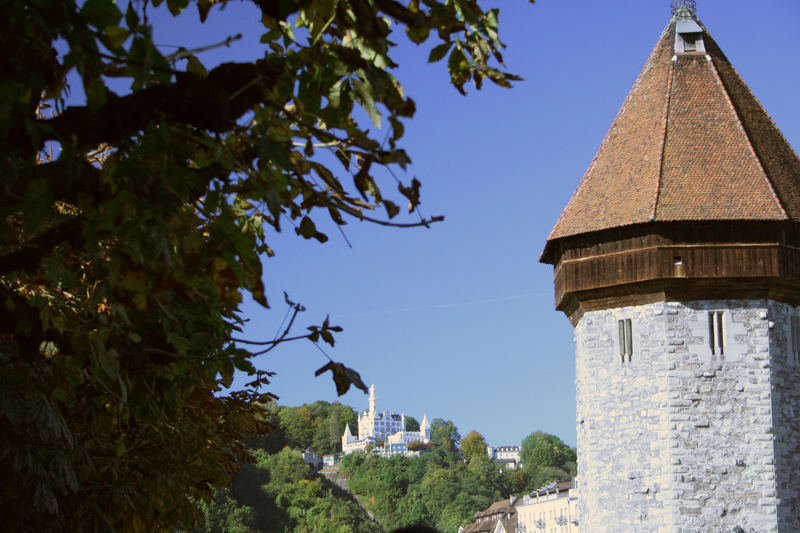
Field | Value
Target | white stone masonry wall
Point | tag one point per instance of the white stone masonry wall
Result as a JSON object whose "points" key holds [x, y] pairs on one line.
{"points": [[683, 440], [720, 416], [622, 417], [786, 414]]}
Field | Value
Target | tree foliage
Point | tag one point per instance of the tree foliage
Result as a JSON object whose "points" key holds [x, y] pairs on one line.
{"points": [[278, 492], [125, 250], [318, 426], [544, 450], [436, 488], [412, 424], [546, 458], [474, 446], [445, 433]]}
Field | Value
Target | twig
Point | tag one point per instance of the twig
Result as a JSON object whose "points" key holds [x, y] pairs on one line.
{"points": [[283, 338], [354, 212], [180, 54]]}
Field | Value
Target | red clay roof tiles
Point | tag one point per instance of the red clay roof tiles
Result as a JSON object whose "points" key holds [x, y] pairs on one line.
{"points": [[690, 142]]}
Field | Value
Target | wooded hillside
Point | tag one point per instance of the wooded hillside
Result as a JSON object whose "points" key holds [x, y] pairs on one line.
{"points": [[438, 488]]}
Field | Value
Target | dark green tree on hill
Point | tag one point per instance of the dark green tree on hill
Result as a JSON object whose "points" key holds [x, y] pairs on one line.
{"points": [[445, 433], [546, 458], [412, 424]]}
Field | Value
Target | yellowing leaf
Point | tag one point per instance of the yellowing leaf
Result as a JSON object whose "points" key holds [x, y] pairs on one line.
{"points": [[194, 66], [117, 36]]}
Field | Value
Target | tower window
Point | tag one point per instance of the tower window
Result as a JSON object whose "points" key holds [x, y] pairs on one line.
{"points": [[716, 332], [688, 36], [691, 42], [794, 355], [625, 340]]}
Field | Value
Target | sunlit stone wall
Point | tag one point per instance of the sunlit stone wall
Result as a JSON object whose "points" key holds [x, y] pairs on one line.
{"points": [[686, 437]]}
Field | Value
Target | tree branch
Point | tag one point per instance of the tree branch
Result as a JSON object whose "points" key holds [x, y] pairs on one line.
{"points": [[426, 222], [283, 337], [213, 103], [180, 54]]}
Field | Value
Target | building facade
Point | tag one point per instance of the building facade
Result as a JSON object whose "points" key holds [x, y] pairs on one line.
{"points": [[677, 260], [500, 517], [508, 456], [501, 453], [551, 509], [386, 429]]}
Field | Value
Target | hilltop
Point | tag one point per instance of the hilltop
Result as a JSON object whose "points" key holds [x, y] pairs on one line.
{"points": [[443, 487]]}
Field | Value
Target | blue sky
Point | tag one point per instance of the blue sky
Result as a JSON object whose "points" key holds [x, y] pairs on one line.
{"points": [[457, 321]]}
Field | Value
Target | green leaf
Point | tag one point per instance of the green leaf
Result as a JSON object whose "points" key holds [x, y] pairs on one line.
{"points": [[131, 17], [439, 52], [365, 97], [176, 7], [101, 13], [307, 228], [334, 95], [391, 208], [459, 69], [194, 66], [203, 7], [343, 377], [258, 293], [226, 372], [418, 34], [244, 365], [117, 36], [412, 193], [271, 35]]}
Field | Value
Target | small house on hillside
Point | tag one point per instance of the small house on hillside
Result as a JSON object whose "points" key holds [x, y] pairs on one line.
{"points": [[500, 517]]}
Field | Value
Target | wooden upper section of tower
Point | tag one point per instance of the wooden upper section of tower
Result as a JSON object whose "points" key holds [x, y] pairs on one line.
{"points": [[691, 160]]}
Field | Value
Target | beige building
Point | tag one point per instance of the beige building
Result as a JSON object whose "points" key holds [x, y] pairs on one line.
{"points": [[500, 517], [551, 509]]}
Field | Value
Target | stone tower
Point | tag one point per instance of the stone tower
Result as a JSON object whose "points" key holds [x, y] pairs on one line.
{"points": [[677, 260]]}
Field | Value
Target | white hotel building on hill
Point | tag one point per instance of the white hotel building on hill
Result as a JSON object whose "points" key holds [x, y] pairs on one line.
{"points": [[387, 428]]}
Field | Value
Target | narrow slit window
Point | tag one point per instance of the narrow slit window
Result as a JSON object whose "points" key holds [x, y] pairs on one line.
{"points": [[625, 340], [716, 332], [795, 354]]}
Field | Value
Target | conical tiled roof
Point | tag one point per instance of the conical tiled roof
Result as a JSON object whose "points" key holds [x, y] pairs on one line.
{"points": [[690, 143]]}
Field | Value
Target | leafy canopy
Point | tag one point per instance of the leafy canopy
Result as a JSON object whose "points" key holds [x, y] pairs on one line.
{"points": [[546, 458], [474, 446], [132, 225], [445, 433]]}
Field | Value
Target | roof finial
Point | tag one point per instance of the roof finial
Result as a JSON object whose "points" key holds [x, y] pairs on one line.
{"points": [[691, 5]]}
